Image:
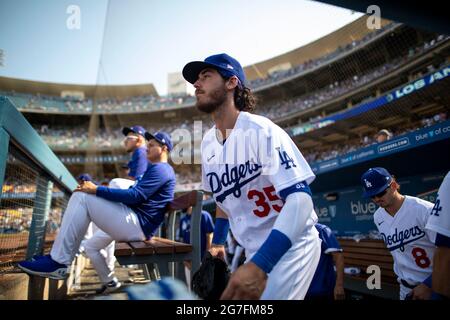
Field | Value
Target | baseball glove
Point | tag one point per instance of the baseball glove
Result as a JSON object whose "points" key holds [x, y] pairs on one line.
{"points": [[211, 279]]}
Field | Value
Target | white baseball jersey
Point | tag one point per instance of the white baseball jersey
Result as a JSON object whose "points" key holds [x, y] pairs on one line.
{"points": [[247, 173], [404, 234], [439, 220]]}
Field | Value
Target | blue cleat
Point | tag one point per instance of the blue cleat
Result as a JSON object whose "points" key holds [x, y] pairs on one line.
{"points": [[46, 267]]}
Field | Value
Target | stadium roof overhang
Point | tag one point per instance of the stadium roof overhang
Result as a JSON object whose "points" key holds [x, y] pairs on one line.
{"points": [[90, 91], [426, 15]]}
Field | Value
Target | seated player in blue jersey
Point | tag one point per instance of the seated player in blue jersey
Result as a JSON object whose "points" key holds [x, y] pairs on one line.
{"points": [[132, 214], [327, 283], [206, 233]]}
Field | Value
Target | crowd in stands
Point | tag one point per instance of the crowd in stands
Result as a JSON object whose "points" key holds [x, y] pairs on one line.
{"points": [[15, 216], [330, 92], [58, 137], [187, 174], [78, 137], [18, 186], [367, 140], [19, 219], [310, 64], [150, 103], [15, 220], [143, 103], [75, 105], [337, 89]]}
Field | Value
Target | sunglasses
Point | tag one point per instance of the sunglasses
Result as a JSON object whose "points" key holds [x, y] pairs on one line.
{"points": [[382, 193], [130, 138]]}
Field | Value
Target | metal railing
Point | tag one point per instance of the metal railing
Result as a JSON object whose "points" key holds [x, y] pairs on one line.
{"points": [[36, 187]]}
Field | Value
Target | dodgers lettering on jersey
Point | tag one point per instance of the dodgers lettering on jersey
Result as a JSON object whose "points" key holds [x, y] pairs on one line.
{"points": [[439, 220], [247, 173], [232, 177], [411, 246], [398, 240]]}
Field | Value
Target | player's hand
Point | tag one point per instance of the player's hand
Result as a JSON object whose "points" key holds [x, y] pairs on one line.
{"points": [[339, 293], [87, 187], [247, 282], [421, 292], [218, 251]]}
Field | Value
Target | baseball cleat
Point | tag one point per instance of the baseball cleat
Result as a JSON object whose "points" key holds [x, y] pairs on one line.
{"points": [[46, 267], [109, 287]]}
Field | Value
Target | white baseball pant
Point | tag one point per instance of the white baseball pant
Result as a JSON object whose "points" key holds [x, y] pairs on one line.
{"points": [[236, 257], [100, 247], [115, 219], [404, 291]]}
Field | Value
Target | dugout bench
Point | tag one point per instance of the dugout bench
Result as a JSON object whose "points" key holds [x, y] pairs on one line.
{"points": [[163, 252], [362, 254]]}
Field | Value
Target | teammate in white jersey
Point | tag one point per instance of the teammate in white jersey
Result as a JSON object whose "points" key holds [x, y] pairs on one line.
{"points": [[259, 180], [439, 222], [401, 221]]}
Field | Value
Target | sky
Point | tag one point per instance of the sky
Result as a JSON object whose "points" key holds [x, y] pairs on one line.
{"points": [[109, 42]]}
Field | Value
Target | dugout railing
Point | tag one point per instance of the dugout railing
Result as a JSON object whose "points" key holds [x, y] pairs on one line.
{"points": [[36, 187]]}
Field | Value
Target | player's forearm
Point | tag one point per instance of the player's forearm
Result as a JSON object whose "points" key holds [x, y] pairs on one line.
{"points": [[338, 258]]}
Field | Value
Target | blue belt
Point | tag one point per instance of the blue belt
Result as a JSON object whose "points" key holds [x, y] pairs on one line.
{"points": [[406, 284]]}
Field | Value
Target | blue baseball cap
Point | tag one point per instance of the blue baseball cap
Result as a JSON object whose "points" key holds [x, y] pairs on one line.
{"points": [[84, 177], [227, 66], [135, 129], [375, 180], [162, 137]]}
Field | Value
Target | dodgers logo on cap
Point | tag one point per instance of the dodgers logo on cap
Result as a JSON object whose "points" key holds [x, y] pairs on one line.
{"points": [[134, 129], [368, 184], [162, 137]]}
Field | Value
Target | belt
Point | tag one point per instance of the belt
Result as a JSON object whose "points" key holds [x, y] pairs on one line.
{"points": [[406, 284]]}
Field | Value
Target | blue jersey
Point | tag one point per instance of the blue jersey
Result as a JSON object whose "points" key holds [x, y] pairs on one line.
{"points": [[138, 163], [148, 198], [206, 226], [324, 279]]}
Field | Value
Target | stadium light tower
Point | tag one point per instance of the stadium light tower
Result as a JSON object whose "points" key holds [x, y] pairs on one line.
{"points": [[2, 58]]}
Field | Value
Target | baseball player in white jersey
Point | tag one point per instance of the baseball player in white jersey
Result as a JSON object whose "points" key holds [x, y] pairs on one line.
{"points": [[259, 180], [401, 221], [439, 222]]}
